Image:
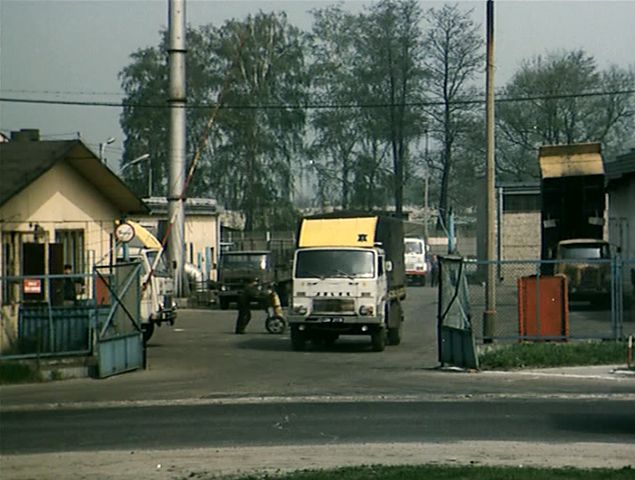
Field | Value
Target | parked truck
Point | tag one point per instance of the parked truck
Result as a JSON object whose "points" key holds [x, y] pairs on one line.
{"points": [[269, 267], [348, 279], [416, 260], [157, 285], [573, 206]]}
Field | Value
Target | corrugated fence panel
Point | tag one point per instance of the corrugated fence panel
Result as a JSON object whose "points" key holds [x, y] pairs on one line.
{"points": [[44, 329]]}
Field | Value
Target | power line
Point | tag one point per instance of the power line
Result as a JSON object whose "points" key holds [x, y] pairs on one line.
{"points": [[313, 106]]}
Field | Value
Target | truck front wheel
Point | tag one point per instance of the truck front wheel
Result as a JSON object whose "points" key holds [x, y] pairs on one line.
{"points": [[298, 339], [378, 339]]}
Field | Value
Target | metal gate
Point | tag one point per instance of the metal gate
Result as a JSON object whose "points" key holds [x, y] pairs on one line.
{"points": [[455, 335], [119, 343]]}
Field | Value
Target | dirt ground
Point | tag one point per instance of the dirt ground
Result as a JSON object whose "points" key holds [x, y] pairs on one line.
{"points": [[223, 462]]}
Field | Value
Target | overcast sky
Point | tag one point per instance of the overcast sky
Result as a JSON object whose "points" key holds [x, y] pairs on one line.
{"points": [[74, 50]]}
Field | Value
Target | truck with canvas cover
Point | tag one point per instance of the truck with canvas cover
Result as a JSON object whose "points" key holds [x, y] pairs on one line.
{"points": [[157, 285], [572, 227], [348, 279]]}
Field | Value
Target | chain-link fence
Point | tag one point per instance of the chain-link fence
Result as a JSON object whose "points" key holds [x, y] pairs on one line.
{"points": [[550, 300]]}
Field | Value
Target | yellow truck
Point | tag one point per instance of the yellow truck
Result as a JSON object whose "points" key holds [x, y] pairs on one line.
{"points": [[348, 279], [573, 219]]}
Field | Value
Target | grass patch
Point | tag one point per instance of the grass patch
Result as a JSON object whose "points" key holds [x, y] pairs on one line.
{"points": [[435, 472], [541, 355], [14, 372]]}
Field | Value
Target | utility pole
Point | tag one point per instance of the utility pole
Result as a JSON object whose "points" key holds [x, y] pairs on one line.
{"points": [[489, 315], [176, 179], [426, 188]]}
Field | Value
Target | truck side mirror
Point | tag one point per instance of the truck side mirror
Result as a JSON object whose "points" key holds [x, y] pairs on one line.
{"points": [[388, 265]]}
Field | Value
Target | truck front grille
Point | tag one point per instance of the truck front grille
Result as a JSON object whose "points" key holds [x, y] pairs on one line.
{"points": [[333, 305]]}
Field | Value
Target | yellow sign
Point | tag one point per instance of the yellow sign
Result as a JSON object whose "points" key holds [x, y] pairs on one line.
{"points": [[338, 232]]}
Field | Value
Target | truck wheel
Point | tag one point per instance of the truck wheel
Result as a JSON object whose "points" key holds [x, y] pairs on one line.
{"points": [[378, 339], [394, 336], [298, 339], [147, 329], [224, 303]]}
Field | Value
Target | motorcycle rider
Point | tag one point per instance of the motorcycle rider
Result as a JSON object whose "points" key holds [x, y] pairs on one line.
{"points": [[250, 293]]}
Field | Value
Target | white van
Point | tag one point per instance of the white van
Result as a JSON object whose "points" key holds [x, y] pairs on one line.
{"points": [[415, 258]]}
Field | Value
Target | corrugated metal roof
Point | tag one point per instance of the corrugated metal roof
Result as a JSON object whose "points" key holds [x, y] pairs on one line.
{"points": [[21, 163], [622, 166], [571, 160]]}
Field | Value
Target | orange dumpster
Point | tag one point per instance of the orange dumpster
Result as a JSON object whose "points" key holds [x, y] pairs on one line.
{"points": [[543, 308]]}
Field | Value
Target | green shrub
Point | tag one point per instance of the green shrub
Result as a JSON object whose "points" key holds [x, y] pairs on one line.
{"points": [[547, 354], [14, 372]]}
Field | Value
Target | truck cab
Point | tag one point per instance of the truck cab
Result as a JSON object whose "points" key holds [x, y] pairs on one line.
{"points": [[344, 283], [586, 264], [415, 258], [236, 268]]}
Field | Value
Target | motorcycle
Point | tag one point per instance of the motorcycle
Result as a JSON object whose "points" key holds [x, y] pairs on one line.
{"points": [[275, 321]]}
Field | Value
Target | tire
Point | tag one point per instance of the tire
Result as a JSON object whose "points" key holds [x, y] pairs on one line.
{"points": [[394, 336], [147, 329], [378, 340], [298, 339], [275, 324]]}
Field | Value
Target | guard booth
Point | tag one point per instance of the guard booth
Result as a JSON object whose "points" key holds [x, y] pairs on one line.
{"points": [[455, 334]]}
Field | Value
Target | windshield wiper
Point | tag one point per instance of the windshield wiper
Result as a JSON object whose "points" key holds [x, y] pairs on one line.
{"points": [[344, 274], [315, 275]]}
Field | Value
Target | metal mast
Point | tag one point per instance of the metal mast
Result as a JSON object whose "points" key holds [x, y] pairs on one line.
{"points": [[177, 147]]}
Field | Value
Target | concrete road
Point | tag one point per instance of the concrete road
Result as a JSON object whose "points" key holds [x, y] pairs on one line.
{"points": [[200, 358], [212, 402], [315, 423]]}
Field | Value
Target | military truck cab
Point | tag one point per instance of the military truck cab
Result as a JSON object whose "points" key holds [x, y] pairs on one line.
{"points": [[587, 265]]}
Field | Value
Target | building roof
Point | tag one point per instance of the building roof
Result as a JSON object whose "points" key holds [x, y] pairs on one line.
{"points": [[622, 166], [22, 162], [519, 188]]}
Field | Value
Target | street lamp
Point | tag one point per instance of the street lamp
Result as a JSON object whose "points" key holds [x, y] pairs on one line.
{"points": [[134, 161], [102, 147]]}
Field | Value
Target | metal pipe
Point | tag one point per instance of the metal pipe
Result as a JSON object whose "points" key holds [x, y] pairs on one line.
{"points": [[177, 149]]}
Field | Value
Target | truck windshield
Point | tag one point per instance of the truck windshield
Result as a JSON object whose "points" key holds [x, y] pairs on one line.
{"points": [[244, 261], [334, 263], [577, 252], [414, 247], [162, 266]]}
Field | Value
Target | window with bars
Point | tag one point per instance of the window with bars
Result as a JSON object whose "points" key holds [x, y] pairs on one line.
{"points": [[73, 248]]}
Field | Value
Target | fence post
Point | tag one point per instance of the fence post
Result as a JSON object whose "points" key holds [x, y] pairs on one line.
{"points": [[617, 311]]}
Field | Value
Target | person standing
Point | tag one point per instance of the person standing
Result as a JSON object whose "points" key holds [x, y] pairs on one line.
{"points": [[250, 293], [72, 286], [434, 271]]}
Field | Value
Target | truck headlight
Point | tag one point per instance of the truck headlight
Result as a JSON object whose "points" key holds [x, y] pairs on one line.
{"points": [[300, 309], [366, 310], [223, 288]]}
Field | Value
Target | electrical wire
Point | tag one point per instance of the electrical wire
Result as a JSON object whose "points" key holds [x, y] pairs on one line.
{"points": [[314, 106]]}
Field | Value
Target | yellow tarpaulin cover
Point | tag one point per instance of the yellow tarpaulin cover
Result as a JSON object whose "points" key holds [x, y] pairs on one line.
{"points": [[571, 160], [338, 232], [144, 236]]}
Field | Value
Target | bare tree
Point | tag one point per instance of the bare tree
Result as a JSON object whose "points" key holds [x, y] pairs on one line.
{"points": [[454, 56]]}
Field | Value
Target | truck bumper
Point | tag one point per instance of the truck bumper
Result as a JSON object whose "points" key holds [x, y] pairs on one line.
{"points": [[345, 325], [167, 315]]}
